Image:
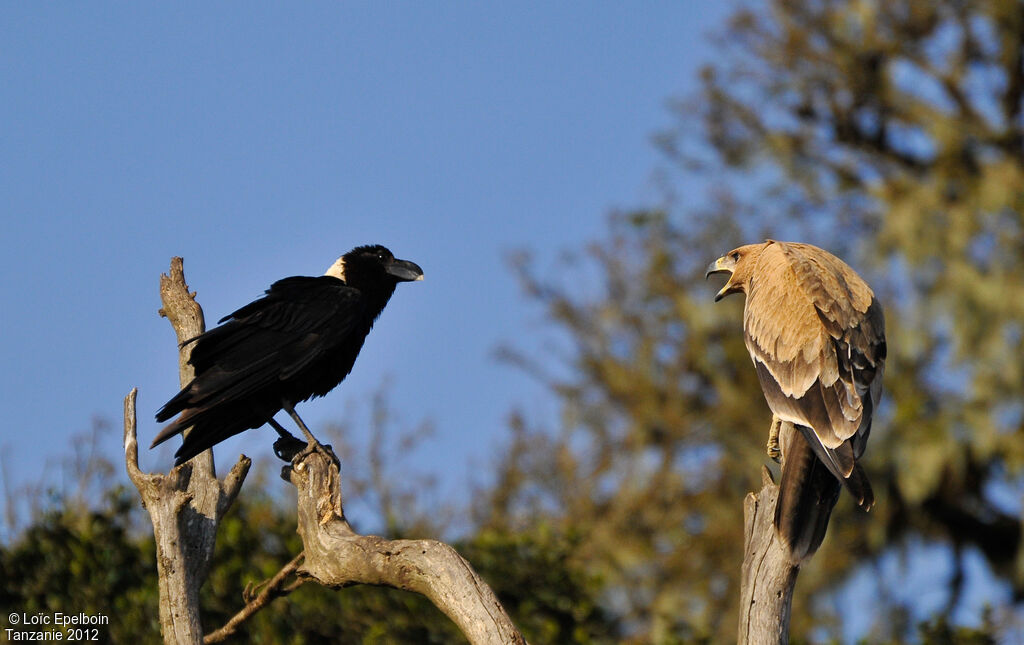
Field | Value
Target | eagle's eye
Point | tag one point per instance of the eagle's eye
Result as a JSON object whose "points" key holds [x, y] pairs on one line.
{"points": [[735, 256]]}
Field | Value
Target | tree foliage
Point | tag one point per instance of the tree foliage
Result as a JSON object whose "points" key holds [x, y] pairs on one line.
{"points": [[898, 126], [74, 560], [94, 553], [889, 132], [71, 560]]}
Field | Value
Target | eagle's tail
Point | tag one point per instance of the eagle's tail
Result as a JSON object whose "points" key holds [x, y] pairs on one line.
{"points": [[807, 494], [859, 486]]}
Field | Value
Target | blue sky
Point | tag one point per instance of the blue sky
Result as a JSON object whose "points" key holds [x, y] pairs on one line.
{"points": [[263, 141]]}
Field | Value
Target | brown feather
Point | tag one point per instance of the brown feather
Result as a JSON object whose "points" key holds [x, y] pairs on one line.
{"points": [[807, 494], [816, 335]]}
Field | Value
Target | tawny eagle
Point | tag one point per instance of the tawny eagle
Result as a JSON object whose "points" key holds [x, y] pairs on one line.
{"points": [[816, 334]]}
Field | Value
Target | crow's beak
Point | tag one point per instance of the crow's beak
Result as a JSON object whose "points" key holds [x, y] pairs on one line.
{"points": [[721, 265], [405, 271]]}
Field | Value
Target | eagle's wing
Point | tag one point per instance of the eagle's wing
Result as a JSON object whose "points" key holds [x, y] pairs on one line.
{"points": [[816, 335]]}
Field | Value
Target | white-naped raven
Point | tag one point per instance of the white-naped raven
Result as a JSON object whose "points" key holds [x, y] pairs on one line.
{"points": [[298, 341]]}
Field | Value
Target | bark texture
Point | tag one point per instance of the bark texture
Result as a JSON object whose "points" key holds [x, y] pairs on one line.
{"points": [[186, 504], [336, 556], [768, 577]]}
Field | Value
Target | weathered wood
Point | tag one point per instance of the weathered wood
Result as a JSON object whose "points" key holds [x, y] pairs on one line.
{"points": [[258, 597], [768, 577], [183, 312], [336, 556], [186, 504]]}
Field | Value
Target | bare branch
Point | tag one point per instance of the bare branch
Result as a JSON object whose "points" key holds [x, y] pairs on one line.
{"points": [[233, 484], [768, 577], [182, 310], [269, 590], [186, 317], [187, 503], [336, 556], [186, 506], [131, 443]]}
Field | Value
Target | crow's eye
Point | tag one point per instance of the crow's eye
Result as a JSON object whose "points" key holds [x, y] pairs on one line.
{"points": [[382, 257]]}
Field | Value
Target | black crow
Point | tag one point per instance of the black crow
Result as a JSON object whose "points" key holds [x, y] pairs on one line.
{"points": [[298, 341]]}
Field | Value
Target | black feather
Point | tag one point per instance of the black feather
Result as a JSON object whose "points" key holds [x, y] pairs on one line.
{"points": [[298, 341]]}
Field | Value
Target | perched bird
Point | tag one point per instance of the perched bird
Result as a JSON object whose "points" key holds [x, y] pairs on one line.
{"points": [[816, 334], [298, 341]]}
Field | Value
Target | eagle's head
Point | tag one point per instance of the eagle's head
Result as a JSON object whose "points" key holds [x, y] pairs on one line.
{"points": [[739, 263]]}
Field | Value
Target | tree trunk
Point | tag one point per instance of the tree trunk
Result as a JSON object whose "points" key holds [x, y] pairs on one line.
{"points": [[768, 577], [186, 504]]}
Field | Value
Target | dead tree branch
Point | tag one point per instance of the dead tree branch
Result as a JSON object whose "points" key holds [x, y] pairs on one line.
{"points": [[336, 556], [768, 577], [186, 504], [268, 591]]}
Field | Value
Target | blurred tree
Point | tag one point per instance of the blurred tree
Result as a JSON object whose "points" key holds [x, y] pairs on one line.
{"points": [[93, 553], [662, 433], [895, 132], [72, 559], [888, 131]]}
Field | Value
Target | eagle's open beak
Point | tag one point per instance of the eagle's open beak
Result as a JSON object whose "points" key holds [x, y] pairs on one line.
{"points": [[721, 265]]}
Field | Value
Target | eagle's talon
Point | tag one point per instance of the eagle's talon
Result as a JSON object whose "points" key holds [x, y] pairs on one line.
{"points": [[772, 448]]}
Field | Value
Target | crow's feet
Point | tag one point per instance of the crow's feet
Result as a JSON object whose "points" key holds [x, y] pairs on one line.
{"points": [[316, 446], [286, 447]]}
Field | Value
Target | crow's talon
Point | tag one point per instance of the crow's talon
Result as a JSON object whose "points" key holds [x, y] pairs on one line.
{"points": [[310, 448], [328, 451], [287, 447]]}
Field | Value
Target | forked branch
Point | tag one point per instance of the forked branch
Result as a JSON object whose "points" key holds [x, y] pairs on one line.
{"points": [[336, 556], [187, 503]]}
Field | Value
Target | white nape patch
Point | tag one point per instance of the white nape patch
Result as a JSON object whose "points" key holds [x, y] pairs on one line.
{"points": [[337, 269]]}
